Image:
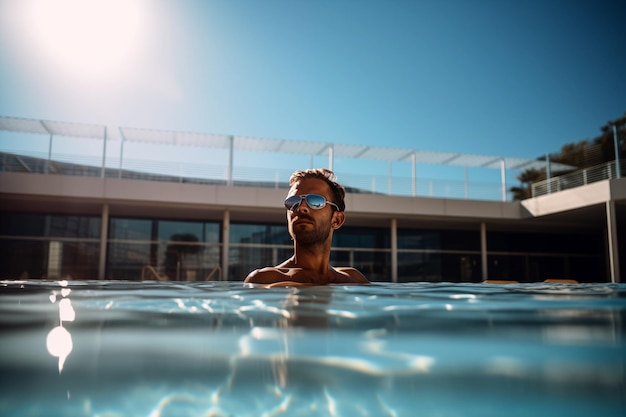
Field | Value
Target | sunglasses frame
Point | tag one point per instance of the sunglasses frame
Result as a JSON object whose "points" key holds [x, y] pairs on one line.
{"points": [[305, 197]]}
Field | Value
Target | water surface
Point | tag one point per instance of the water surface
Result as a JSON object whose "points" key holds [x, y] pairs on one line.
{"points": [[110, 348]]}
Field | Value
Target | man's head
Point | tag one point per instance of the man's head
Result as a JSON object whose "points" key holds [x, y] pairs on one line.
{"points": [[307, 222], [337, 191]]}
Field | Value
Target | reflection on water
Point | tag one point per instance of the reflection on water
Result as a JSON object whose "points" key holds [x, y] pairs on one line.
{"points": [[59, 340], [218, 349]]}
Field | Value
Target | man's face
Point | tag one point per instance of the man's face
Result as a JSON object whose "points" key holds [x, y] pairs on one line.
{"points": [[306, 225]]}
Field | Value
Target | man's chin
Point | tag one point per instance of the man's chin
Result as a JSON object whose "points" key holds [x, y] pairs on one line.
{"points": [[308, 238]]}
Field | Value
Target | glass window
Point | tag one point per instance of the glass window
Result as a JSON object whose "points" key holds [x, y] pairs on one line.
{"points": [[244, 259], [362, 237], [177, 230], [375, 265], [419, 266], [23, 259], [458, 267], [154, 249], [437, 266], [268, 234], [164, 230], [34, 259], [460, 240], [44, 225], [438, 239], [410, 266], [418, 239], [544, 267], [544, 242], [587, 269], [130, 229], [536, 268], [74, 226], [127, 260], [163, 261], [508, 267]]}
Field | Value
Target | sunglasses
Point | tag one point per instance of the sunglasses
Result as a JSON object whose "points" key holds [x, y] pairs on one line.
{"points": [[314, 201]]}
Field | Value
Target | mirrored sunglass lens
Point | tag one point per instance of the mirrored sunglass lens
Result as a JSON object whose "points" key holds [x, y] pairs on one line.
{"points": [[292, 201], [315, 201]]}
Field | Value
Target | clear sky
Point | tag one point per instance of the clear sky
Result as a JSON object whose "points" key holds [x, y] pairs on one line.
{"points": [[496, 77]]}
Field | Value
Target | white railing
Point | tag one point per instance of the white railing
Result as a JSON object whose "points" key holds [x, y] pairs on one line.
{"points": [[207, 173], [585, 176]]}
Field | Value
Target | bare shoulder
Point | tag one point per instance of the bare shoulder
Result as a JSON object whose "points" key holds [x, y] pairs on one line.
{"points": [[267, 275], [285, 276], [356, 275]]}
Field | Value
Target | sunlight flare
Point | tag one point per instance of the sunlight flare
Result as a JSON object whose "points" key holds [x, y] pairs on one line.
{"points": [[87, 40]]}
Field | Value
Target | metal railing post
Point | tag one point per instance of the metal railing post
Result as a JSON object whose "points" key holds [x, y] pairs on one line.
{"points": [[503, 175], [331, 157], [414, 173], [231, 148], [104, 153], [389, 176], [618, 169], [467, 185], [548, 173], [119, 173]]}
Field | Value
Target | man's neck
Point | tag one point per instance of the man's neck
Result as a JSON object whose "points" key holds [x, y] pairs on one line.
{"points": [[311, 257]]}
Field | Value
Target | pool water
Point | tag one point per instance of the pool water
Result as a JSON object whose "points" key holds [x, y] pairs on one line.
{"points": [[110, 348]]}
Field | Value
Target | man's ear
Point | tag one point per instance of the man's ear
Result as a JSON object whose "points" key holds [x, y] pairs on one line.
{"points": [[338, 218]]}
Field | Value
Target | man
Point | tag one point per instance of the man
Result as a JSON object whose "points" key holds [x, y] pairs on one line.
{"points": [[315, 209]]}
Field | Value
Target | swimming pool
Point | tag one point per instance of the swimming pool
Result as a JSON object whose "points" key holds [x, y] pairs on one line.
{"points": [[110, 348]]}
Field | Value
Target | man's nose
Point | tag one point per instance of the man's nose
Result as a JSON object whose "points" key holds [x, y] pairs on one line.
{"points": [[303, 206]]}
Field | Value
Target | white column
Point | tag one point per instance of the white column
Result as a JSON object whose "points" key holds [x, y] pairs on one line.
{"points": [[225, 244], [611, 227], [483, 251], [394, 250], [104, 237]]}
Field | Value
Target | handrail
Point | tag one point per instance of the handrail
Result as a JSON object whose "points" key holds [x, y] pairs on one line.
{"points": [[606, 171], [150, 270], [215, 270], [196, 173]]}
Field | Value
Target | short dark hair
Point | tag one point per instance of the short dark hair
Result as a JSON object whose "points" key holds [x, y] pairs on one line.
{"points": [[339, 193]]}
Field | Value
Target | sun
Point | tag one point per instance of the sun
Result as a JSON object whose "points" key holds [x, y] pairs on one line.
{"points": [[85, 40]]}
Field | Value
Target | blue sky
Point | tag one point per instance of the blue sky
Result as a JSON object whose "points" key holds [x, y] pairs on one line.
{"points": [[510, 78]]}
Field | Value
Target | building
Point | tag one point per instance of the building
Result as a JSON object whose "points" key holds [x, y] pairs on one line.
{"points": [[106, 217]]}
